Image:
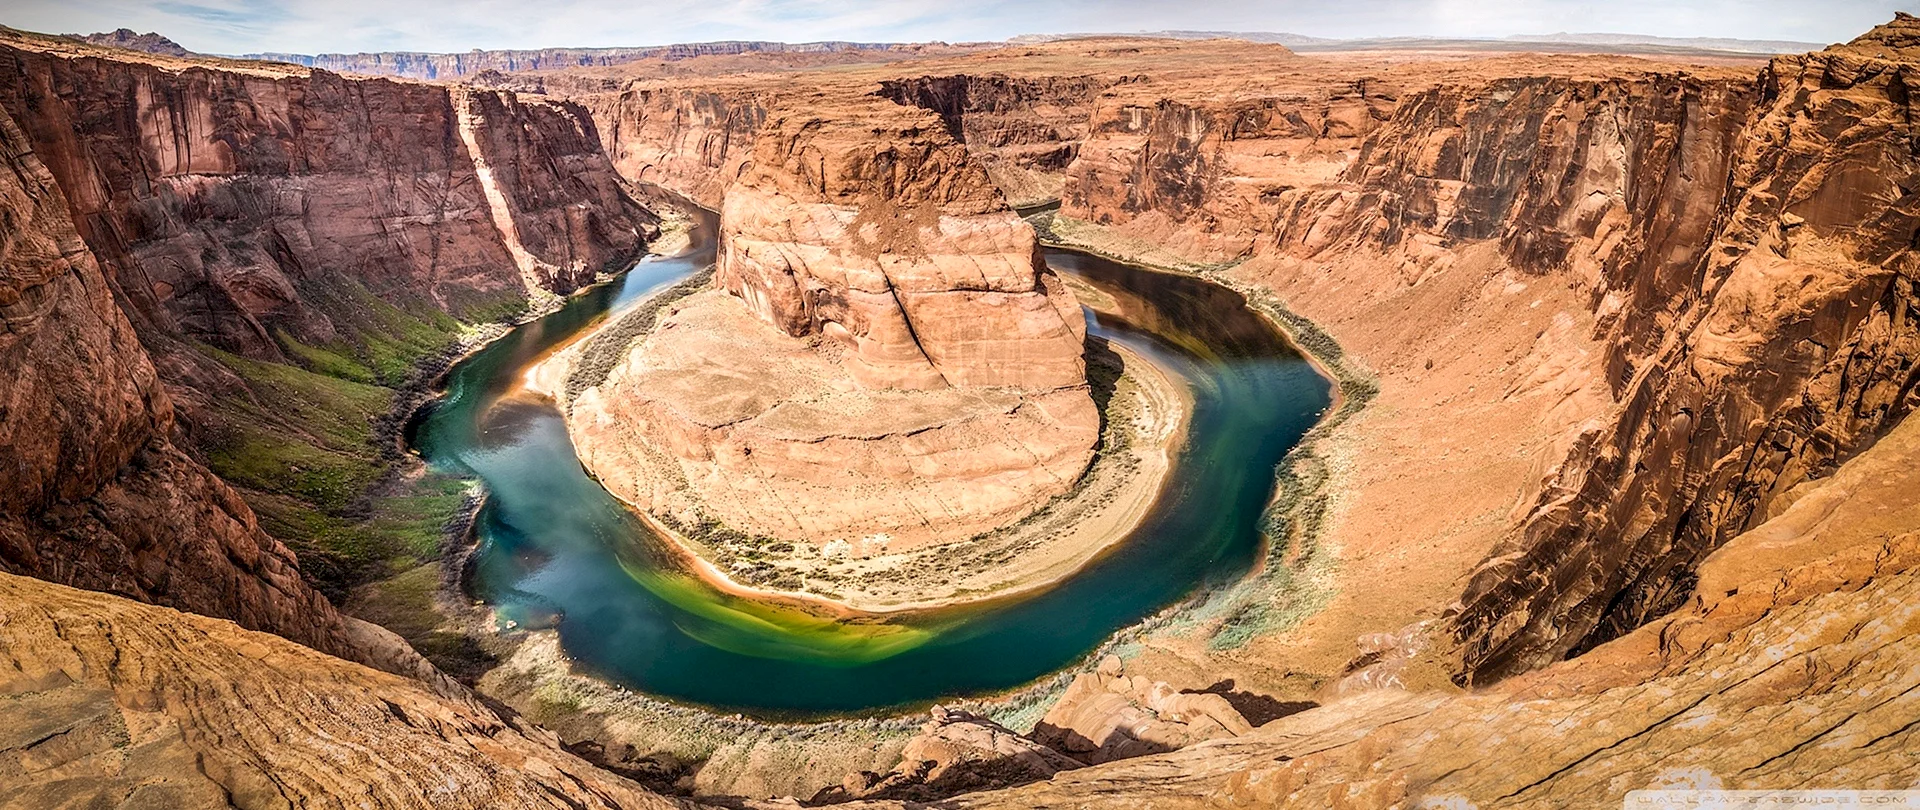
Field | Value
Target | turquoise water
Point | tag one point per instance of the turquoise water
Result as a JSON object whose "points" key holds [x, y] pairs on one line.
{"points": [[557, 551]]}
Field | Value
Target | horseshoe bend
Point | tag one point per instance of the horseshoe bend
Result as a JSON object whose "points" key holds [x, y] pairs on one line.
{"points": [[1187, 419]]}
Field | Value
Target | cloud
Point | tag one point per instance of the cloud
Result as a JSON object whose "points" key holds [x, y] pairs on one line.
{"points": [[315, 26]]}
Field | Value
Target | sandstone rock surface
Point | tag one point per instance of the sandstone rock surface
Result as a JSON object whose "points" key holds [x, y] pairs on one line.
{"points": [[891, 364], [96, 494], [111, 703], [1789, 666], [955, 752]]}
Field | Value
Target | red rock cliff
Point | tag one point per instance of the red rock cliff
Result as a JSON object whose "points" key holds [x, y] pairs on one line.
{"points": [[244, 210]]}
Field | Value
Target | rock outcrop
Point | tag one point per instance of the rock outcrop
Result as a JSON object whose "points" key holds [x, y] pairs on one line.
{"points": [[885, 236], [915, 375], [149, 42], [1107, 715], [111, 703], [955, 752]]}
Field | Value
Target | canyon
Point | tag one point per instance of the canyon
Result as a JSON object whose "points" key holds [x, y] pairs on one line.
{"points": [[1616, 491]]}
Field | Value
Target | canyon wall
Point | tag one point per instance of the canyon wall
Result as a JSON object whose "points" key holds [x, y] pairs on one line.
{"points": [[1741, 369], [97, 495], [1025, 131], [231, 207], [689, 139], [206, 245], [1736, 257]]}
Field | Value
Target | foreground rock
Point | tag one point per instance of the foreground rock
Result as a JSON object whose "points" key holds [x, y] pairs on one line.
{"points": [[956, 752], [890, 365], [111, 703], [1106, 715]]}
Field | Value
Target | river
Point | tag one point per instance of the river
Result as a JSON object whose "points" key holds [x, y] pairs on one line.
{"points": [[557, 551]]}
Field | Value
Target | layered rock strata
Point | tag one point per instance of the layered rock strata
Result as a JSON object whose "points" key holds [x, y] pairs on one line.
{"points": [[259, 213], [97, 495], [1789, 666], [889, 365], [112, 703], [1025, 131], [1726, 297], [232, 207]]}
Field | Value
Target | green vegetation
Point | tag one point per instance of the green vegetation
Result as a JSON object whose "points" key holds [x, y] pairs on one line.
{"points": [[312, 446]]}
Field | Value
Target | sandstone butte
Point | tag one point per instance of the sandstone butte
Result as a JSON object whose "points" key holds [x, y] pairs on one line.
{"points": [[886, 362], [1625, 498]]}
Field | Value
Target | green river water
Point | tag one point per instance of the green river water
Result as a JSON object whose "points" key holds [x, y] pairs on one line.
{"points": [[556, 550]]}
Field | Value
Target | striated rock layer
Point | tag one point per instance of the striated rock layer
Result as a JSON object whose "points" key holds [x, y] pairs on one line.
{"points": [[915, 374], [250, 212], [1677, 292], [1788, 667], [230, 206], [97, 495], [887, 237], [112, 703]]}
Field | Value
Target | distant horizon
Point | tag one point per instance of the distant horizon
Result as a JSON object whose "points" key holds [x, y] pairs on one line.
{"points": [[446, 26]]}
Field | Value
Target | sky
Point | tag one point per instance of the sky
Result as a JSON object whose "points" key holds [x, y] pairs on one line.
{"points": [[331, 26]]}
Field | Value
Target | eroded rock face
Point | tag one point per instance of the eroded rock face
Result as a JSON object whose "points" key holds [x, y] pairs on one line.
{"points": [[881, 233], [229, 207], [1737, 275], [692, 140], [955, 752], [890, 365], [111, 703], [1025, 131], [1789, 345], [96, 495]]}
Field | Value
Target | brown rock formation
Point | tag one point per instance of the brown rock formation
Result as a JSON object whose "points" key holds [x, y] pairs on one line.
{"points": [[229, 207], [1702, 355], [955, 752], [1790, 666], [1025, 131], [923, 379], [96, 495], [111, 703], [1787, 347], [884, 235], [690, 139], [1106, 715]]}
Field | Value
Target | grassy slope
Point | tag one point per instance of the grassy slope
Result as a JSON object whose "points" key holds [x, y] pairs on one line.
{"points": [[304, 447]]}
